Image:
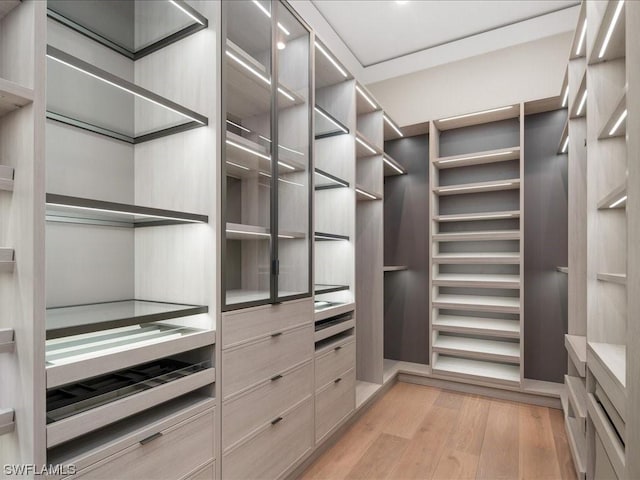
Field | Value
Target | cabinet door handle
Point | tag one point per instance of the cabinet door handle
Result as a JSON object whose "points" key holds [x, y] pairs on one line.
{"points": [[151, 438], [337, 380], [276, 377], [277, 334], [339, 347], [273, 422]]}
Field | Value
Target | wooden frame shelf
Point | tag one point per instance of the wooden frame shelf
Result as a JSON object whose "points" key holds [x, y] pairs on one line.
{"points": [[365, 195], [477, 236], [477, 258], [13, 96], [472, 217], [494, 327], [63, 208], [477, 348], [619, 278], [612, 34], [478, 187], [477, 158], [480, 303], [392, 167], [469, 280], [616, 199], [365, 147], [480, 370], [616, 124]]}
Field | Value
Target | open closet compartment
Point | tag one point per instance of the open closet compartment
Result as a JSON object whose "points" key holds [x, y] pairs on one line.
{"points": [[130, 209], [267, 105], [609, 239], [334, 190], [476, 209]]}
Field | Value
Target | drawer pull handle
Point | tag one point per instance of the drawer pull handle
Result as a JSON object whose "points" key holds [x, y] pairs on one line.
{"points": [[277, 334], [339, 347], [337, 380], [277, 420], [150, 439], [276, 377]]}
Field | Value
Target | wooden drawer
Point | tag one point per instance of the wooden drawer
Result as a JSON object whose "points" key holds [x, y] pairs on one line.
{"points": [[603, 468], [271, 451], [244, 414], [334, 403], [175, 453], [252, 363], [253, 323], [331, 364]]}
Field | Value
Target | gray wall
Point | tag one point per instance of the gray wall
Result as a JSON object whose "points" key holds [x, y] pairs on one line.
{"points": [[406, 242], [406, 206], [545, 248]]}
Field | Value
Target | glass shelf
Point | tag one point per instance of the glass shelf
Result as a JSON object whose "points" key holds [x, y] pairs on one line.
{"points": [[81, 319], [62, 208], [322, 236], [327, 125], [87, 97], [131, 28], [320, 289]]}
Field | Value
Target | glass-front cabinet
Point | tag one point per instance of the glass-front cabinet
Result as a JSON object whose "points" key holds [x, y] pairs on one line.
{"points": [[266, 160]]}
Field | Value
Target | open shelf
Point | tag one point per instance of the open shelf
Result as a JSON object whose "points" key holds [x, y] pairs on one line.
{"points": [[324, 180], [619, 278], [480, 370], [72, 359], [179, 21], [82, 319], [578, 108], [331, 329], [82, 408], [478, 158], [364, 195], [496, 327], [321, 288], [564, 270], [328, 70], [479, 118], [322, 236], [324, 309], [239, 231], [394, 268], [478, 187], [327, 125], [477, 236], [478, 348], [479, 303], [611, 32], [67, 209], [364, 101], [613, 359], [576, 346], [392, 167], [563, 145], [469, 280], [7, 260], [617, 198], [71, 72], [365, 148], [481, 258], [616, 125], [577, 444], [579, 43], [13, 96], [6, 178], [474, 217]]}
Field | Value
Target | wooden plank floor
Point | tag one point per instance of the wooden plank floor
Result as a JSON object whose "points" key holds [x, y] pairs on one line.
{"points": [[418, 432]]}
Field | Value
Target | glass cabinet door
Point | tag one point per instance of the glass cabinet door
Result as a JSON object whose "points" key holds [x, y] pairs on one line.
{"points": [[266, 154], [247, 152], [294, 155]]}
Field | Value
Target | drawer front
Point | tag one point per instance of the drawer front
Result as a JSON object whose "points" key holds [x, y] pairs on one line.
{"points": [[603, 468], [331, 364], [256, 362], [244, 325], [242, 415], [334, 403], [270, 453], [207, 473], [175, 454]]}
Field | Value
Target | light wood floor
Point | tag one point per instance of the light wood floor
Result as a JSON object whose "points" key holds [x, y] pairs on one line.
{"points": [[417, 432]]}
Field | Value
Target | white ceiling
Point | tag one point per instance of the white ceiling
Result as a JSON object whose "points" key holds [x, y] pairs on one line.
{"points": [[378, 31]]}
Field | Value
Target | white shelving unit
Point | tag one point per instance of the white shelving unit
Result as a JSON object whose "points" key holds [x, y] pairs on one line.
{"points": [[476, 248]]}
